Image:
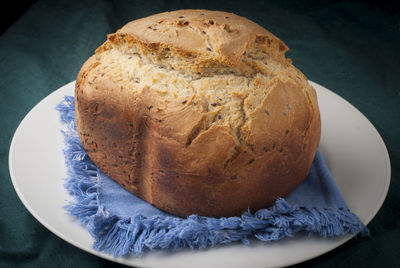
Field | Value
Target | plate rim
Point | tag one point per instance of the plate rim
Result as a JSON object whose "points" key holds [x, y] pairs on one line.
{"points": [[388, 170]]}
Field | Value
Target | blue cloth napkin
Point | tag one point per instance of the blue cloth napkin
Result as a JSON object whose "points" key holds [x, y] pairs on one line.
{"points": [[122, 223]]}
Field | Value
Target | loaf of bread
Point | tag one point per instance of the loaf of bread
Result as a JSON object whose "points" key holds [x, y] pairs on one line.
{"points": [[198, 112]]}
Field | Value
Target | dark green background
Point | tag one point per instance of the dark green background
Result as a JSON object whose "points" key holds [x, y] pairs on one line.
{"points": [[350, 47]]}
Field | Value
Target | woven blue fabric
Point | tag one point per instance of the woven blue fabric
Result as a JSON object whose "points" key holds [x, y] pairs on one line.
{"points": [[123, 224]]}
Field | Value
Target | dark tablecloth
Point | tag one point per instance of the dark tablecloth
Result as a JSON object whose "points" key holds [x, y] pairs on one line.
{"points": [[350, 47]]}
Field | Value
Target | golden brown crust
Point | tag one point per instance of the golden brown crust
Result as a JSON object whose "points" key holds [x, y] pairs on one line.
{"points": [[214, 143], [204, 33]]}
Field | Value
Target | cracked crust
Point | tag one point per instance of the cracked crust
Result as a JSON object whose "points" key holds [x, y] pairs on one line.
{"points": [[198, 111]]}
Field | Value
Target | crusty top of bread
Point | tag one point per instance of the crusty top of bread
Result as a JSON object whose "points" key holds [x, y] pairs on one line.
{"points": [[202, 35], [207, 34]]}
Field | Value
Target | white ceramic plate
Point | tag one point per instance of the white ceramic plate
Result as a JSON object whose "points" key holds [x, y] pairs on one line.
{"points": [[353, 150]]}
